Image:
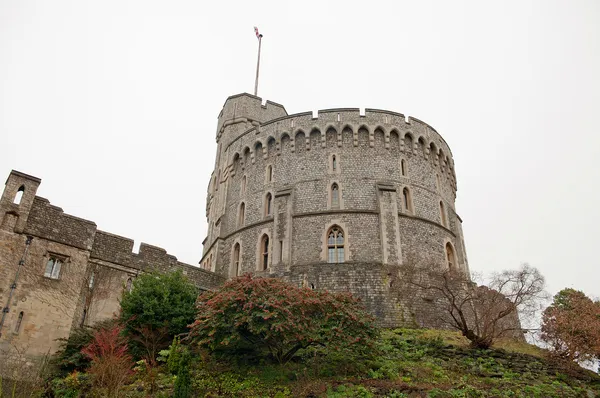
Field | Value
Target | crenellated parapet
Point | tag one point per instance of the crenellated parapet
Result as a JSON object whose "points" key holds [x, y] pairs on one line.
{"points": [[394, 130]]}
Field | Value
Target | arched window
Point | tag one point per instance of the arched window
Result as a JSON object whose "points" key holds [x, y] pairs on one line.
{"points": [[129, 284], [335, 245], [335, 195], [242, 214], [19, 321], [443, 214], [269, 173], [264, 252], [334, 163], [236, 259], [243, 187], [450, 257], [403, 167], [407, 200], [268, 204], [19, 195]]}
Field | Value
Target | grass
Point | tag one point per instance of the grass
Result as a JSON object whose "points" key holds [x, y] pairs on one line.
{"points": [[406, 363]]}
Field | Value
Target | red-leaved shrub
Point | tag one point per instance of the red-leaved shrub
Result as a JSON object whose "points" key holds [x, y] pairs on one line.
{"points": [[111, 363]]}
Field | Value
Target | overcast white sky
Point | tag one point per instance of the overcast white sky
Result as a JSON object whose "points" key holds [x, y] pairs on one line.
{"points": [[114, 105]]}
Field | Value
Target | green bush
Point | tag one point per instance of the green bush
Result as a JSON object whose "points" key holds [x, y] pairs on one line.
{"points": [[183, 381], [159, 307]]}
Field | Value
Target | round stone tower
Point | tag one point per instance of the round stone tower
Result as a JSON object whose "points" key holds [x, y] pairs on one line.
{"points": [[337, 200]]}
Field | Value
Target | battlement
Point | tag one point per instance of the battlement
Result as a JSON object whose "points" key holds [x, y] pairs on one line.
{"points": [[44, 220], [338, 119]]}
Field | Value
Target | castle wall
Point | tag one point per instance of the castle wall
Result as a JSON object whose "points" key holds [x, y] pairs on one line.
{"points": [[95, 268]]}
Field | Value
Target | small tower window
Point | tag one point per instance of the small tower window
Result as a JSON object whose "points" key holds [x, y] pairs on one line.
{"points": [[407, 200], [269, 173], [268, 204], [243, 187], [242, 214], [450, 257], [335, 195], [334, 163], [264, 250], [19, 195], [236, 259], [129, 284], [403, 167], [335, 245], [443, 215], [19, 322], [91, 282]]}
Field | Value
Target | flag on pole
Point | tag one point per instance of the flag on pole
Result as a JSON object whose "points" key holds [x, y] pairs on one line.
{"points": [[258, 35]]}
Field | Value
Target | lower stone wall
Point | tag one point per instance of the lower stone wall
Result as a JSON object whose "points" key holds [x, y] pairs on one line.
{"points": [[384, 293]]}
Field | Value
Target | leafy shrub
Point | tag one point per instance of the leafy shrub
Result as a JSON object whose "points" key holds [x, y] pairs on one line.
{"points": [[174, 356], [69, 357], [274, 316], [72, 386], [159, 307]]}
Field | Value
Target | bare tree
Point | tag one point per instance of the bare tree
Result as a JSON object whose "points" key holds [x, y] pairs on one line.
{"points": [[481, 313]]}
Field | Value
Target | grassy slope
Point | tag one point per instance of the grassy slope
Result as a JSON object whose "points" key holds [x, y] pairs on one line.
{"points": [[411, 363]]}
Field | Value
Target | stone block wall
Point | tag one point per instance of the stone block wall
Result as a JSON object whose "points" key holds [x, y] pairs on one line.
{"points": [[96, 268]]}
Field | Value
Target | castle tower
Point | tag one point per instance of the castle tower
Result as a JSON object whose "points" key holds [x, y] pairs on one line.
{"points": [[16, 201], [337, 200]]}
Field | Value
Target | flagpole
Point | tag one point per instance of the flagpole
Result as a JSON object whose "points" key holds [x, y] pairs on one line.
{"points": [[257, 65]]}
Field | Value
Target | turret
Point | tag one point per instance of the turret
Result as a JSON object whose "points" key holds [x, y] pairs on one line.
{"points": [[16, 201]]}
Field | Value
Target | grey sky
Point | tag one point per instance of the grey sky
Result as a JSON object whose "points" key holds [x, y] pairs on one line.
{"points": [[114, 105]]}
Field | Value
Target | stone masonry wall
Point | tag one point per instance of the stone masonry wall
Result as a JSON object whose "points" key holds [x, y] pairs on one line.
{"points": [[96, 268]]}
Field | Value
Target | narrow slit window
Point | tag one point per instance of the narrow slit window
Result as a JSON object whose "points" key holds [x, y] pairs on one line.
{"points": [[264, 252], [335, 195], [443, 215], [407, 200], [334, 163], [129, 284], [403, 167], [450, 257], [243, 188], [19, 322], [269, 173], [91, 282], [281, 251], [236, 259], [242, 214], [268, 204]]}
